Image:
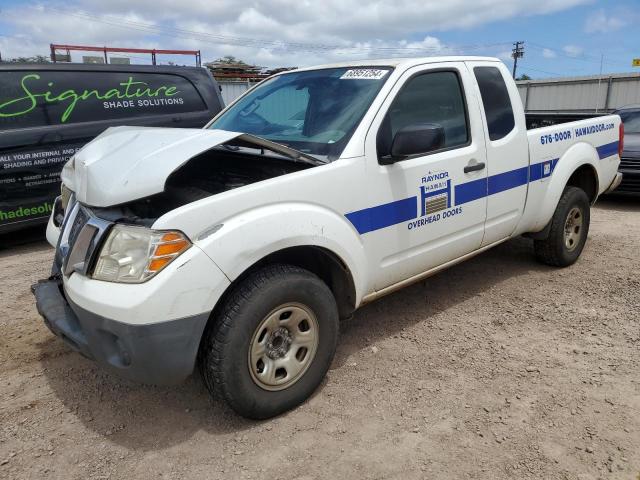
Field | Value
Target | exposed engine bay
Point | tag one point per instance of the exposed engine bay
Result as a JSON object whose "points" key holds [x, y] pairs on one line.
{"points": [[212, 172]]}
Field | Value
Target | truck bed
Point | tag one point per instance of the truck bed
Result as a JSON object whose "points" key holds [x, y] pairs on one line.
{"points": [[593, 138], [547, 119]]}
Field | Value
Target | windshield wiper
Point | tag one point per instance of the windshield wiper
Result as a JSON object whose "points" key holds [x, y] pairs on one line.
{"points": [[292, 153]]}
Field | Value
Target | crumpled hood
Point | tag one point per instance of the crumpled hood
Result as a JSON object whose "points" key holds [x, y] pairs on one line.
{"points": [[128, 163]]}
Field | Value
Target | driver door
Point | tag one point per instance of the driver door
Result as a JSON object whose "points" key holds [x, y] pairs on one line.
{"points": [[429, 208]]}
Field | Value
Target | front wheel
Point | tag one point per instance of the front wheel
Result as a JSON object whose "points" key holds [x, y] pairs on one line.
{"points": [[568, 232], [272, 342]]}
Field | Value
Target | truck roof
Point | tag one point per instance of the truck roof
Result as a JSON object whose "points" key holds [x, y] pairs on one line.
{"points": [[399, 62]]}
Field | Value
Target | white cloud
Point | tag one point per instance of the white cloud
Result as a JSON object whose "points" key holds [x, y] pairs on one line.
{"points": [[427, 43], [600, 22], [504, 55], [37, 28], [548, 53], [573, 50], [267, 32]]}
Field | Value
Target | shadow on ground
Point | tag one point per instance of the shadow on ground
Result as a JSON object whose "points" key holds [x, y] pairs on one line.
{"points": [[147, 417], [31, 237], [620, 203]]}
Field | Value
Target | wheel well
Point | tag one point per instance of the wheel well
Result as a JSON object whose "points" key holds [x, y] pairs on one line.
{"points": [[324, 263], [585, 178]]}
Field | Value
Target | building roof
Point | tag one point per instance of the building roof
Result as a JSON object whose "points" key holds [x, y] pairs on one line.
{"points": [[585, 78]]}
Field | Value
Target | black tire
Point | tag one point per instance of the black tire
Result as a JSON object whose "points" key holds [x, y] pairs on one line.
{"points": [[554, 250], [224, 357]]}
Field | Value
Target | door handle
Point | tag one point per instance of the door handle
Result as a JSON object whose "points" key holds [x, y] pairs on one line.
{"points": [[474, 167]]}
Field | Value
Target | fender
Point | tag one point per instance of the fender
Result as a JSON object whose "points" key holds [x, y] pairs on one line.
{"points": [[270, 228], [575, 157]]}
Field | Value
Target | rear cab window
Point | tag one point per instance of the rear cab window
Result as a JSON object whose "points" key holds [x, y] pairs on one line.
{"points": [[495, 99], [432, 97]]}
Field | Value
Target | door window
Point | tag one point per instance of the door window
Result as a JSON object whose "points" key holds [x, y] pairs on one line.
{"points": [[435, 97], [496, 101]]}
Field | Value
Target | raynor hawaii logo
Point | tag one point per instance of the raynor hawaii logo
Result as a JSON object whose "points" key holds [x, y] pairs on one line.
{"points": [[435, 193], [435, 196], [128, 90]]}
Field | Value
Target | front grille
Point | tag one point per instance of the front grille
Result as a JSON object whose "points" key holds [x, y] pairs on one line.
{"points": [[81, 237], [628, 163], [78, 223]]}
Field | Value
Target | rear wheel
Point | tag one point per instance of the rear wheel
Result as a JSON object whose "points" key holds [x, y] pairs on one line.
{"points": [[568, 232], [272, 343]]}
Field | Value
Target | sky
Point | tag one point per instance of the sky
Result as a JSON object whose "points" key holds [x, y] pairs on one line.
{"points": [[562, 37]]}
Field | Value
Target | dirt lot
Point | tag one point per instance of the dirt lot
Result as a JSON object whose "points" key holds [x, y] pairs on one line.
{"points": [[497, 368]]}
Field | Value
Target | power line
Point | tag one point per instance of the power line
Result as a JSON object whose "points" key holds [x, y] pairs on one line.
{"points": [[260, 43], [528, 68], [336, 49], [582, 57]]}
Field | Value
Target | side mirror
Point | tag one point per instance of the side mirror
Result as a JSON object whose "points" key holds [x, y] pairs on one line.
{"points": [[414, 140]]}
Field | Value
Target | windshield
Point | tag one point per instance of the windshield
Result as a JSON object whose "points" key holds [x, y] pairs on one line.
{"points": [[631, 121], [314, 111]]}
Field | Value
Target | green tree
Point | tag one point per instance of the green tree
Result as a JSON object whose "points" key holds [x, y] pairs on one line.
{"points": [[34, 59], [229, 60], [524, 76]]}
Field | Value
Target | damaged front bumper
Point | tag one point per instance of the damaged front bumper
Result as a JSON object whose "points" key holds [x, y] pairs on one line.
{"points": [[160, 353], [148, 332]]}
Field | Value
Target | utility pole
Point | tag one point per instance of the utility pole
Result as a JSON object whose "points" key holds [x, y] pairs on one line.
{"points": [[599, 80], [516, 53]]}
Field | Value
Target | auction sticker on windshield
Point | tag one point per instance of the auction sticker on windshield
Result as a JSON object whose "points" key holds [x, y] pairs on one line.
{"points": [[364, 74]]}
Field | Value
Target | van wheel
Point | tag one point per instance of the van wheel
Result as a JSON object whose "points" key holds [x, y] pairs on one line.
{"points": [[569, 230], [272, 342]]}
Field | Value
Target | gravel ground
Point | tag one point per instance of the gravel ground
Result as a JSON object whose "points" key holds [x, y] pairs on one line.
{"points": [[496, 368]]}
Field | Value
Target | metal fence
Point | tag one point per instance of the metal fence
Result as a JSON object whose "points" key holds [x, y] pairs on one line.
{"points": [[580, 94], [563, 95], [232, 90]]}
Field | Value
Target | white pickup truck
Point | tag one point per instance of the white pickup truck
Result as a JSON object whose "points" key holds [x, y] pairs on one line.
{"points": [[240, 246]]}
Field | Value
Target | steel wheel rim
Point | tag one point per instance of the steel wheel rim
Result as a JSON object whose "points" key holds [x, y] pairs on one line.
{"points": [[283, 346], [573, 229]]}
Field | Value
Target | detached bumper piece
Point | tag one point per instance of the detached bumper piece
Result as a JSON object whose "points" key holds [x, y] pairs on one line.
{"points": [[58, 316], [161, 353]]}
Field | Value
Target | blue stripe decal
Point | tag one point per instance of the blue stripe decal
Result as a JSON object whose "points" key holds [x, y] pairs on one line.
{"points": [[470, 191], [388, 214], [381, 216], [508, 180], [537, 170], [607, 150]]}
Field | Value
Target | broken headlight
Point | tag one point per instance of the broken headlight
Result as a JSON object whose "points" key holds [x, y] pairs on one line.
{"points": [[135, 254], [65, 196]]}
